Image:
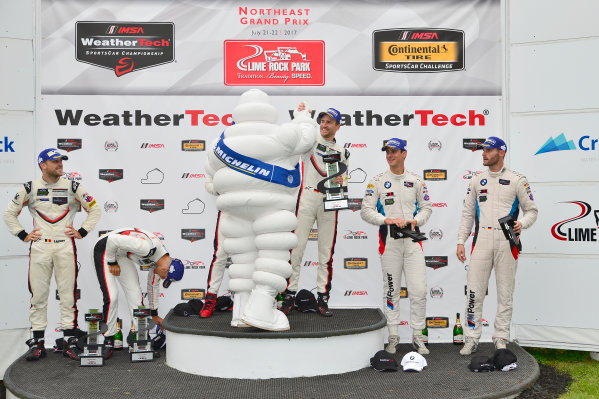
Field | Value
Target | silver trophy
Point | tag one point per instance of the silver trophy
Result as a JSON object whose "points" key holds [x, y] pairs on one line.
{"points": [[141, 347], [92, 350], [335, 194]]}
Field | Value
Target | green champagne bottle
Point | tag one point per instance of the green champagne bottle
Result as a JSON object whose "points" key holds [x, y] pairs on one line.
{"points": [[425, 335], [280, 298], [458, 331], [118, 337]]}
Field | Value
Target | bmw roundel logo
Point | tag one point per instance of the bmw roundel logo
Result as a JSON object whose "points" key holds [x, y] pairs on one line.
{"points": [[387, 184], [483, 182]]}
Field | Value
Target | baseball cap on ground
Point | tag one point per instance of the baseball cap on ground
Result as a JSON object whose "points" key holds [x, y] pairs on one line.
{"points": [[493, 142], [50, 154], [305, 301], [383, 361], [395, 143], [333, 113], [175, 272], [189, 308], [223, 303], [481, 364], [505, 360], [413, 361]]}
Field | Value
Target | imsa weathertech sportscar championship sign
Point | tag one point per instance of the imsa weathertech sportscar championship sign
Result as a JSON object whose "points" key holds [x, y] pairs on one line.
{"points": [[125, 46], [418, 50], [274, 62]]}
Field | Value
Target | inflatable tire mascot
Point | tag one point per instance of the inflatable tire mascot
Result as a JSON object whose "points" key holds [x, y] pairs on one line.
{"points": [[254, 166]]}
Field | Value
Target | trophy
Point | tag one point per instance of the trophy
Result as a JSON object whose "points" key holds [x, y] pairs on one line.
{"points": [[92, 350], [407, 232], [141, 347], [335, 194], [507, 225]]}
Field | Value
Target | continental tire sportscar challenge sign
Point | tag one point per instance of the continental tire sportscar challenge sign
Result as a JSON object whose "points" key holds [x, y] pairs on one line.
{"points": [[125, 46]]}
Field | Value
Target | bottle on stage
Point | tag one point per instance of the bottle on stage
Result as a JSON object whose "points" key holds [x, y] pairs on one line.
{"points": [[118, 337], [425, 335], [280, 298], [458, 331], [132, 333]]}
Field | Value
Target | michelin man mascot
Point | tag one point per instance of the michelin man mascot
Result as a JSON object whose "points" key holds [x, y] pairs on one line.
{"points": [[254, 167]]}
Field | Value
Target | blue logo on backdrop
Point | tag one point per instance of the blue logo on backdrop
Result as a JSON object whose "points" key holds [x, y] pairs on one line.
{"points": [[7, 147], [561, 143]]}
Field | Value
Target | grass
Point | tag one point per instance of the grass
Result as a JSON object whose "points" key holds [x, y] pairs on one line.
{"points": [[580, 366]]}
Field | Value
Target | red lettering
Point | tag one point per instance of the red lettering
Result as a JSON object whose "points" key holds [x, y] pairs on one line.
{"points": [[455, 122], [474, 116], [440, 120], [424, 116], [211, 120], [194, 115]]}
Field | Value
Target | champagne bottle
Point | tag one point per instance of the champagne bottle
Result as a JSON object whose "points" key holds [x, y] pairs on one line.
{"points": [[118, 337], [280, 298], [425, 335], [458, 331]]}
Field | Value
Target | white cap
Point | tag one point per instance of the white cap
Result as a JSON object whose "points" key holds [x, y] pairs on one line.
{"points": [[413, 361]]}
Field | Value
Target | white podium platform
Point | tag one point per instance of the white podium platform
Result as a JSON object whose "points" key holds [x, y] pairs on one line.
{"points": [[314, 346]]}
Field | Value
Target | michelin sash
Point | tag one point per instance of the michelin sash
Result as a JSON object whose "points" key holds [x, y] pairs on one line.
{"points": [[256, 168]]}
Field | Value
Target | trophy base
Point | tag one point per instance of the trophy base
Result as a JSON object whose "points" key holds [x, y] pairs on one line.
{"points": [[92, 360], [142, 356], [336, 205]]}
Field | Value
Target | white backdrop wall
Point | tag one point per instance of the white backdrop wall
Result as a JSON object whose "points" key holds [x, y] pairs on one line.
{"points": [[156, 169], [548, 105]]}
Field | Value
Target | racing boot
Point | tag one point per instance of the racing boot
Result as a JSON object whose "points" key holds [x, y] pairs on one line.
{"points": [[108, 347], [72, 348], [261, 311], [288, 302], [418, 344], [500, 343], [393, 342], [209, 304], [470, 346], [37, 350], [323, 305]]}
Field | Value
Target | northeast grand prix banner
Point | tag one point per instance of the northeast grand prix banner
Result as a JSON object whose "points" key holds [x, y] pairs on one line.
{"points": [[137, 92]]}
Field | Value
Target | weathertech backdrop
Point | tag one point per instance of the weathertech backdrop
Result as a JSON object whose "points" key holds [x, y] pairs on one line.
{"points": [[136, 91]]}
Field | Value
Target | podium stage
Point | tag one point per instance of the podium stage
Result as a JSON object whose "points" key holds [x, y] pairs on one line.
{"points": [[446, 376]]}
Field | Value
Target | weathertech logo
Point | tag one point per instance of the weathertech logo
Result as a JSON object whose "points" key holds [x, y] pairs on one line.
{"points": [[111, 175], [193, 235], [69, 144], [472, 144], [355, 204], [274, 63], [151, 205], [419, 50], [588, 234], [150, 145], [436, 262], [125, 48]]}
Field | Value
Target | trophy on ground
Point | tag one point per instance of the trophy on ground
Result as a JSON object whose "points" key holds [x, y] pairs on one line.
{"points": [[92, 349], [507, 225], [407, 232], [335, 194], [141, 347]]}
